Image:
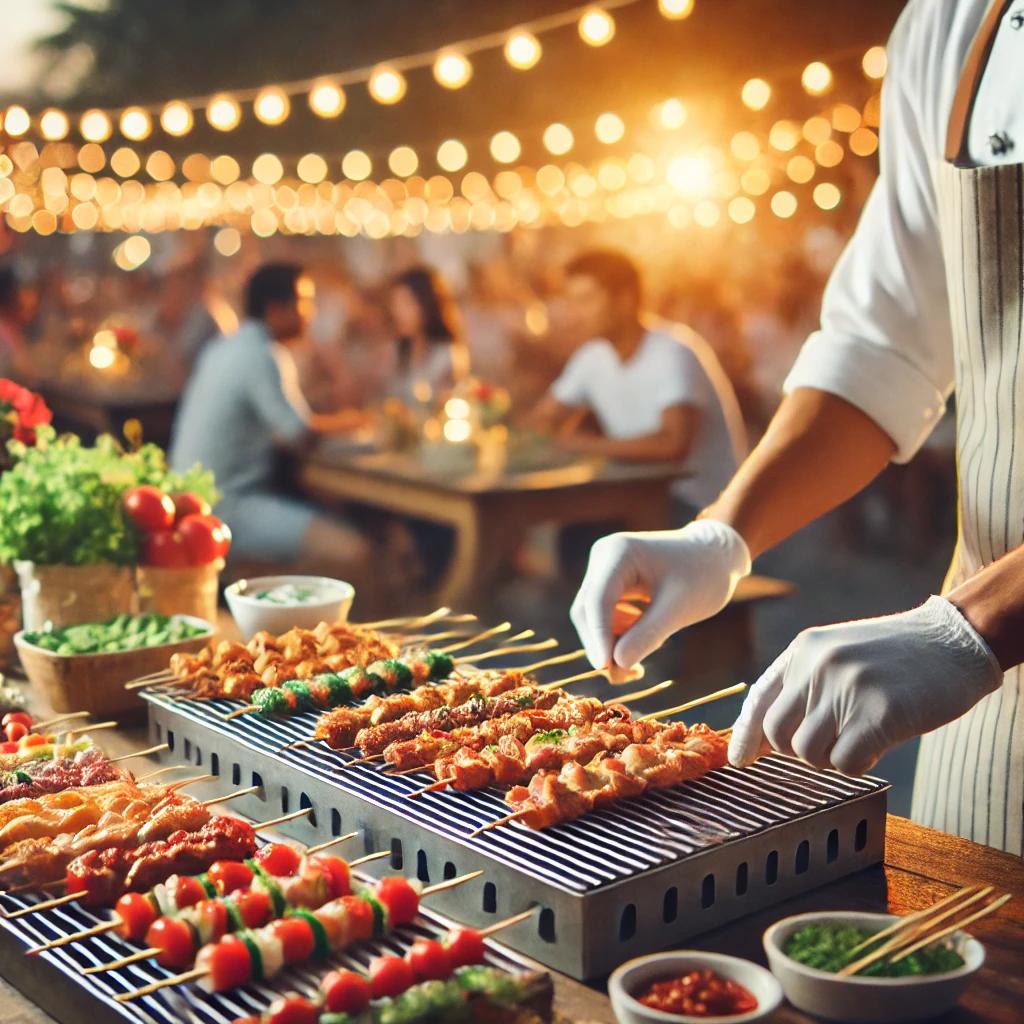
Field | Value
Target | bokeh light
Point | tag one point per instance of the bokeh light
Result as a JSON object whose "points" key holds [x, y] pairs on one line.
{"points": [[863, 142], [272, 105], [827, 195], [800, 169], [742, 210], [689, 174], [135, 124], [817, 78], [609, 128], [356, 165], [227, 241], [558, 139], [744, 146], [845, 118], [176, 118], [505, 147], [784, 204], [671, 114], [756, 181], [95, 126], [707, 214], [784, 136], [875, 62], [452, 155], [326, 99], [225, 169], [522, 50], [596, 26], [452, 70], [267, 168], [829, 154], [817, 130], [756, 93], [53, 124], [676, 9], [387, 85], [312, 168], [16, 121], [223, 112], [403, 161], [125, 162]]}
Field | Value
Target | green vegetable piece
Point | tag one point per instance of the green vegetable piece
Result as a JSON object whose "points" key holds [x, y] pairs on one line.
{"points": [[255, 957], [31, 638], [441, 665], [158, 638], [497, 986], [303, 698], [338, 691], [271, 701], [66, 648]]}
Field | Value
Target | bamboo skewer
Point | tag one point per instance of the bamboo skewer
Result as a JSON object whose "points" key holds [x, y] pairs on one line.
{"points": [[542, 645], [949, 930], [310, 850], [636, 673], [160, 771], [90, 728], [485, 933], [728, 691], [558, 659], [485, 635], [152, 680], [494, 824], [57, 901], [174, 786], [47, 722], [142, 753], [640, 694], [196, 974], [231, 796]]}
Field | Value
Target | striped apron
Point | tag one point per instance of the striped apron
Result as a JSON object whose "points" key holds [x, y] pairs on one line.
{"points": [[970, 773]]}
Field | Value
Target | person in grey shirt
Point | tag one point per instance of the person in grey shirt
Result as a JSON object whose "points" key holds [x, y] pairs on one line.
{"points": [[241, 406]]}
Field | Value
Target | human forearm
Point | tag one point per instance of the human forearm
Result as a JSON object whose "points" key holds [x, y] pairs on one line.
{"points": [[992, 601], [650, 448], [819, 451]]}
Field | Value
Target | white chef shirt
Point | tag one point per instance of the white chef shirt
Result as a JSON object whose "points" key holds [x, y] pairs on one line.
{"points": [[671, 366], [885, 342]]}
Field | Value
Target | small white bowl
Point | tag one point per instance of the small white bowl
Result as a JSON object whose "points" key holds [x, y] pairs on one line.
{"points": [[635, 975], [253, 615], [869, 1000]]}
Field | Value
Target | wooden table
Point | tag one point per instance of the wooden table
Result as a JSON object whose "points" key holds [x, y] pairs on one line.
{"points": [[489, 510]]}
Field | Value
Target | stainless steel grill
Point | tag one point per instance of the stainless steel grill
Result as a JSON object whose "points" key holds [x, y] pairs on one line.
{"points": [[633, 878], [54, 980]]}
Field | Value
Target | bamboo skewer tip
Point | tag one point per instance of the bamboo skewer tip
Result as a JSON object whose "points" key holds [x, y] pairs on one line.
{"points": [[439, 784], [514, 816], [179, 979], [141, 753], [379, 855], [507, 923], [231, 796], [310, 850], [59, 901], [450, 883]]}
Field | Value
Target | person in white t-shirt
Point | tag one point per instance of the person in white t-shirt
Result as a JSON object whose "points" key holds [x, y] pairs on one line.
{"points": [[657, 391]]}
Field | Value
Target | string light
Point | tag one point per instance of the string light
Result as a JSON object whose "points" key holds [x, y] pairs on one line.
{"points": [[176, 118], [356, 165], [223, 112], [403, 161], [505, 147], [784, 136], [271, 105], [326, 99], [676, 9], [558, 139], [522, 50], [125, 162], [596, 26], [817, 78], [53, 124], [267, 169], [609, 128], [756, 93], [95, 126], [452, 155], [875, 62], [387, 85], [452, 70], [16, 121], [784, 204], [800, 169], [742, 210], [827, 195], [744, 146], [135, 124], [312, 168]]}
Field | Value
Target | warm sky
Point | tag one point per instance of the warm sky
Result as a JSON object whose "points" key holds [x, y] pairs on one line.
{"points": [[21, 22]]}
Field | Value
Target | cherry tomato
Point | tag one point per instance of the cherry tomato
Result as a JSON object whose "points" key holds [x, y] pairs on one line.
{"points": [[8, 748], [400, 898], [345, 992], [17, 716], [255, 907], [183, 891], [292, 1010], [278, 859], [175, 940], [206, 538], [166, 549], [15, 731], [390, 976], [214, 916], [229, 876], [296, 938], [189, 503], [33, 739], [360, 913], [429, 960], [228, 963], [136, 914], [339, 881], [150, 509], [465, 947]]}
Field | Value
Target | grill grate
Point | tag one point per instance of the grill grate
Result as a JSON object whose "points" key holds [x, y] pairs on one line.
{"points": [[57, 973]]}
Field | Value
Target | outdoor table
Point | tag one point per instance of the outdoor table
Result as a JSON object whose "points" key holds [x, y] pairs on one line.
{"points": [[489, 510]]}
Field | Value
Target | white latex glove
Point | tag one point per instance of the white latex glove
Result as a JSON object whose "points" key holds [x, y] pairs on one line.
{"points": [[688, 574], [841, 696]]}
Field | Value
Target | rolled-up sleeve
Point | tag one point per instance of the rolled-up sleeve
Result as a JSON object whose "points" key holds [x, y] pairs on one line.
{"points": [[885, 342]]}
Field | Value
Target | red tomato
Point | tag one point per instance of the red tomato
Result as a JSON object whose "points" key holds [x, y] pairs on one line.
{"points": [[228, 963], [167, 549], [400, 898], [228, 876], [149, 508], [8, 748], [183, 891], [206, 538], [296, 938], [175, 940], [214, 918], [14, 731], [278, 859], [189, 504], [255, 907], [136, 914], [292, 1011], [390, 976], [345, 992], [360, 913], [33, 739], [429, 960], [17, 716], [338, 878], [465, 947]]}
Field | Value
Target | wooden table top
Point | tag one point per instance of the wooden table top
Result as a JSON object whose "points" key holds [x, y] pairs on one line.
{"points": [[407, 468]]}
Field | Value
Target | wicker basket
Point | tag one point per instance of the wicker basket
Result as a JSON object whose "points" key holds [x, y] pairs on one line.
{"points": [[189, 591], [69, 595]]}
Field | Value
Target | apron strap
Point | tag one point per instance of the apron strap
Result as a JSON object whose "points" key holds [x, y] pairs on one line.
{"points": [[970, 81]]}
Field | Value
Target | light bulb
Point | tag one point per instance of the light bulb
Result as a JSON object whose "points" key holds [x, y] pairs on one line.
{"points": [[326, 98], [386, 84], [452, 155], [135, 124], [452, 70], [756, 93], [53, 124], [817, 78], [505, 147], [676, 9], [609, 128], [176, 118], [558, 139], [522, 50], [596, 27], [272, 105], [16, 121], [95, 126], [223, 112]]}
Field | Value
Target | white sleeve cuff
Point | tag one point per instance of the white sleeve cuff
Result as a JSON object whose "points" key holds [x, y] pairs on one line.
{"points": [[879, 381]]}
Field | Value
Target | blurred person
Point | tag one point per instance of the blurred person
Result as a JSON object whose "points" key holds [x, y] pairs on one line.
{"points": [[927, 298], [241, 407], [429, 347], [656, 390]]}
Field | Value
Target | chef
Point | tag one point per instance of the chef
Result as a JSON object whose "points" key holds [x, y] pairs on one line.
{"points": [[928, 297]]}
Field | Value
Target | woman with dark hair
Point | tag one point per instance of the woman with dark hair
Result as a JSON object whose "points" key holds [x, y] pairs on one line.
{"points": [[430, 348]]}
